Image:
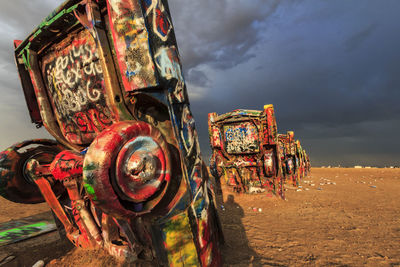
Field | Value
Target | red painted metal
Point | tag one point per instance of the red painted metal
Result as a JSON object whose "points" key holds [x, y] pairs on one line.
{"points": [[104, 78], [142, 167], [67, 164], [38, 172], [245, 150]]}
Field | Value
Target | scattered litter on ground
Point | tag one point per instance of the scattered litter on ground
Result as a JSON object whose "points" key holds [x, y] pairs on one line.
{"points": [[253, 189], [256, 209], [373, 186], [6, 259], [39, 263]]}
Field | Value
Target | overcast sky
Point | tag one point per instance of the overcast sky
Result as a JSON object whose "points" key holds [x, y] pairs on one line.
{"points": [[331, 69]]}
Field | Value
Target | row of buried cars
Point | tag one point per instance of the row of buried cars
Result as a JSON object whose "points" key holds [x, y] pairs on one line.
{"points": [[250, 155], [124, 172]]}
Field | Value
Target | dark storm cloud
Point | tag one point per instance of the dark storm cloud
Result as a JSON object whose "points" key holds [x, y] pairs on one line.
{"points": [[219, 33], [329, 67], [372, 143], [197, 77], [354, 41]]}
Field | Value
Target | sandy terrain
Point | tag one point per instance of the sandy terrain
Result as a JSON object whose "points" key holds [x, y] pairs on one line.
{"points": [[354, 222], [341, 217], [10, 210]]}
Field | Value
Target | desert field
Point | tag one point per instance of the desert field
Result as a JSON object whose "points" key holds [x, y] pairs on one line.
{"points": [[338, 217]]}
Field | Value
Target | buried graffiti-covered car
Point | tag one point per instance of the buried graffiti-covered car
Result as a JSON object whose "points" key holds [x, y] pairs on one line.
{"points": [[125, 172], [295, 161], [245, 151]]}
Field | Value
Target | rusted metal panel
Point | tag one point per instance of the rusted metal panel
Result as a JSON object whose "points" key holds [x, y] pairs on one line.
{"points": [[291, 141], [27, 87], [216, 137], [241, 138], [270, 127], [164, 48], [131, 42], [248, 158], [109, 86], [295, 161], [74, 79], [46, 112]]}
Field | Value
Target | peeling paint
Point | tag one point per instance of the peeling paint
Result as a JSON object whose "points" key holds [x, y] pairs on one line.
{"points": [[108, 82]]}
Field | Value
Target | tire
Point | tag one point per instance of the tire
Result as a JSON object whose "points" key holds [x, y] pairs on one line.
{"points": [[15, 184], [105, 176]]}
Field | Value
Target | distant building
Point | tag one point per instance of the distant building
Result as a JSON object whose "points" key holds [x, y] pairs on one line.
{"points": [[357, 167]]}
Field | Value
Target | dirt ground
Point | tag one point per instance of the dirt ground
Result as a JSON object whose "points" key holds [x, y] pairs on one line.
{"points": [[339, 217]]}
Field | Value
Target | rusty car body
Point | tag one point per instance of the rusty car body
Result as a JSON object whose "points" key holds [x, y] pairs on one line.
{"points": [[290, 158], [245, 150], [125, 173], [294, 159]]}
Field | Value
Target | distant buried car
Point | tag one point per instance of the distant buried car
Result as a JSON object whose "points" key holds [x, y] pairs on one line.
{"points": [[245, 150], [295, 161], [288, 146], [125, 173]]}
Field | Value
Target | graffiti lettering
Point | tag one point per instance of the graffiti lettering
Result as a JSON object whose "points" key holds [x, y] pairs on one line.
{"points": [[67, 164], [88, 122], [75, 82], [241, 138]]}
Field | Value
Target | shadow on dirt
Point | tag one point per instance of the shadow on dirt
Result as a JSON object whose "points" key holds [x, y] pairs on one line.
{"points": [[236, 249]]}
